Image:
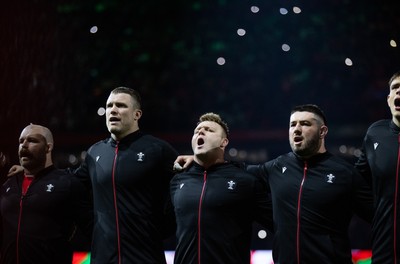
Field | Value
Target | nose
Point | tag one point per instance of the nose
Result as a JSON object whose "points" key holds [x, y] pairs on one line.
{"points": [[24, 144]]}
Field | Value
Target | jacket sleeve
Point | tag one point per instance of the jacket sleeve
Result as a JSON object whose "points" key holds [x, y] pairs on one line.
{"points": [[263, 204], [362, 164], [362, 197], [169, 223], [82, 207]]}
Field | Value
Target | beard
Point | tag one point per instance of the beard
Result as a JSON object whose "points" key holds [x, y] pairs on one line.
{"points": [[308, 148]]}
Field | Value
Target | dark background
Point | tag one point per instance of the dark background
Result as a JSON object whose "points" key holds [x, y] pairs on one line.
{"points": [[55, 72]]}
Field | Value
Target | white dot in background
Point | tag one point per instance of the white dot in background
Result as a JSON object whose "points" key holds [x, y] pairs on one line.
{"points": [[393, 43], [241, 32], [93, 29], [348, 62], [254, 9], [101, 111], [221, 61], [296, 10], [285, 47], [283, 11], [262, 234]]}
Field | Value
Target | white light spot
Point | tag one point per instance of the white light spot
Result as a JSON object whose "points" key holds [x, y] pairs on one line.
{"points": [[101, 111], [393, 43], [93, 29], [233, 152], [72, 159], [296, 10], [254, 9], [241, 32], [348, 62], [221, 61], [343, 149], [283, 11], [285, 47], [262, 234]]}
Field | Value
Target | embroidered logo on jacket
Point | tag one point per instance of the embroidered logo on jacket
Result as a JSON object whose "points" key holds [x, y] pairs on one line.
{"points": [[50, 187], [181, 185], [283, 169], [140, 156], [330, 177], [231, 185], [376, 145], [8, 189], [97, 158]]}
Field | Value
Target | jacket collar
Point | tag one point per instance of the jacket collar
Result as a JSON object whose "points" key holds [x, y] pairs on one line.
{"points": [[127, 139], [394, 127]]}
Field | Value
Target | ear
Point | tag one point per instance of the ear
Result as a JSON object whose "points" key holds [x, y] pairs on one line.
{"points": [[50, 147], [323, 131], [137, 114], [224, 142]]}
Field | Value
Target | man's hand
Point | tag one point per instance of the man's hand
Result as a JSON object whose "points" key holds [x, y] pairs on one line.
{"points": [[182, 162], [14, 170]]}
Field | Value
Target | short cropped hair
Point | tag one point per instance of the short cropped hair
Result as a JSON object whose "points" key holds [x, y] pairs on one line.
{"points": [[394, 76], [215, 118], [133, 93], [312, 108]]}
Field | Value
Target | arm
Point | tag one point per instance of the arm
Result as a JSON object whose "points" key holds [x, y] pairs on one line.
{"points": [[362, 197], [263, 204]]}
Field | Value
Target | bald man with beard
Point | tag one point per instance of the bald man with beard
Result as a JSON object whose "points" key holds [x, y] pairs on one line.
{"points": [[41, 206]]}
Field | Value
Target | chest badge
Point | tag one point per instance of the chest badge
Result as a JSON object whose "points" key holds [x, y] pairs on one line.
{"points": [[330, 178], [376, 144], [231, 185], [140, 156], [50, 187]]}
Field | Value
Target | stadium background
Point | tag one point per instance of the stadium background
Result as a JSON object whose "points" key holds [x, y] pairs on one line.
{"points": [[249, 61]]}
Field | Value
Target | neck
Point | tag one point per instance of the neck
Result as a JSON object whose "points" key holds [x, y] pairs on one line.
{"points": [[208, 163]]}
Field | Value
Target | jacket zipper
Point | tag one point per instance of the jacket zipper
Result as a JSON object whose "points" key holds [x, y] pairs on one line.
{"points": [[19, 226], [298, 212], [115, 203], [23, 195], [395, 203], [199, 217]]}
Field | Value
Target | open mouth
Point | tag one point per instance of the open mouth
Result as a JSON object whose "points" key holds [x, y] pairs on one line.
{"points": [[397, 102], [297, 139], [113, 119], [200, 141]]}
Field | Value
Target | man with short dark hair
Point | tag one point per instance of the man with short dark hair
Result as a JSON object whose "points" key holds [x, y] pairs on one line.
{"points": [[379, 163], [129, 174]]}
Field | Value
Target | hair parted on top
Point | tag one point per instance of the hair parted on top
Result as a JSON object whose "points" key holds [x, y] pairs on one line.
{"points": [[394, 76], [312, 108], [215, 118], [133, 93]]}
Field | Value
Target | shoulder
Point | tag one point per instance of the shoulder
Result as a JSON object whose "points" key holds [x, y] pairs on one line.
{"points": [[380, 125]]}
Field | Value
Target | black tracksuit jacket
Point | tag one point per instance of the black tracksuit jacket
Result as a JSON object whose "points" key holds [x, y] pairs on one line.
{"points": [[313, 203], [215, 209], [37, 227], [130, 183], [380, 165]]}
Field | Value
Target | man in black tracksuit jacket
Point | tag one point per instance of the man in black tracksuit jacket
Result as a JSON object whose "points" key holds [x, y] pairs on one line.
{"points": [[40, 207], [314, 195], [129, 174], [216, 202], [379, 163]]}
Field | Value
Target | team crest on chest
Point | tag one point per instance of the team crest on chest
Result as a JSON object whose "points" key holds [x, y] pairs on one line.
{"points": [[231, 185], [330, 178], [50, 187], [140, 156]]}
